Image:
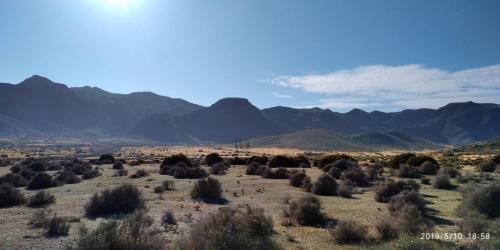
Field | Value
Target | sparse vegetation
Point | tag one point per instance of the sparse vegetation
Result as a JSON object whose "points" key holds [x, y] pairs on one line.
{"points": [[348, 232], [122, 199], [41, 199], [140, 173]]}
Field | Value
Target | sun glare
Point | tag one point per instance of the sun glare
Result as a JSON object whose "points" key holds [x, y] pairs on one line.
{"points": [[119, 3]]}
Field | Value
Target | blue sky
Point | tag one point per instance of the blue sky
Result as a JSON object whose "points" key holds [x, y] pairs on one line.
{"points": [[385, 55]]}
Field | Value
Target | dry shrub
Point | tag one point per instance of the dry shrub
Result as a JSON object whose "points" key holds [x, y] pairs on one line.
{"points": [[213, 158], [280, 173], [91, 174], [118, 165], [53, 225], [41, 181], [262, 160], [283, 161], [425, 181], [325, 185], [442, 182], [384, 190], [356, 176], [386, 229], [252, 168], [334, 172], [41, 199], [10, 196], [168, 220], [321, 163], [122, 199], [483, 199], [135, 232], [230, 228], [208, 190], [296, 178], [306, 211], [428, 168], [407, 171], [140, 173], [345, 189], [349, 232], [14, 180], [106, 159], [167, 185], [409, 220], [120, 172], [218, 168], [68, 177], [406, 197], [450, 171], [488, 166], [307, 184], [182, 170]]}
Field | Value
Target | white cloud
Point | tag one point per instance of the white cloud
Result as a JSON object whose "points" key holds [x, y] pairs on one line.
{"points": [[282, 95], [395, 87]]}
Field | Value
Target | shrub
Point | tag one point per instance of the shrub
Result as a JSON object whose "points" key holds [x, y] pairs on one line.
{"points": [[302, 161], [325, 185], [41, 199], [122, 199], [405, 198], [283, 161], [348, 231], [406, 171], [442, 182], [237, 161], [91, 174], [306, 211], [213, 158], [428, 168], [386, 229], [166, 186], [356, 176], [77, 166], [181, 171], [229, 228], [208, 190], [334, 172], [332, 158], [345, 189], [296, 178], [118, 165], [400, 159], [175, 159], [425, 181], [450, 171], [135, 232], [106, 159], [488, 166], [496, 159], [341, 164], [120, 172], [307, 184], [14, 180], [68, 177], [483, 199], [252, 168], [409, 220], [41, 181], [384, 190], [10, 196], [473, 222], [262, 160], [140, 173], [168, 220], [37, 167], [218, 168], [418, 160], [27, 174], [54, 225], [280, 173], [137, 162]]}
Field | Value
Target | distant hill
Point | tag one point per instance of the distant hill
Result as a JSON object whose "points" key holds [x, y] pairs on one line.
{"points": [[483, 147], [320, 139], [38, 105]]}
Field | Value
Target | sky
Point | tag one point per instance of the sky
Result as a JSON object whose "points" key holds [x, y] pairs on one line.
{"points": [[372, 55]]}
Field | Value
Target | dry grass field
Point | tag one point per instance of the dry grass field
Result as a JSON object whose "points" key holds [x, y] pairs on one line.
{"points": [[238, 189]]}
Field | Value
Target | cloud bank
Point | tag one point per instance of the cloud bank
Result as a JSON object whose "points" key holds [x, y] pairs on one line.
{"points": [[396, 87]]}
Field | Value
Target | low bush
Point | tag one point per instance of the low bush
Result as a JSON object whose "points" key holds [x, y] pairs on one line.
{"points": [[208, 190], [296, 178], [280, 173], [137, 162], [14, 180], [37, 166], [302, 161], [237, 161], [384, 190], [349, 232], [41, 181], [120, 172], [307, 184], [334, 172], [386, 229], [356, 176], [41, 199], [425, 181], [68, 177], [262, 160], [54, 225], [213, 158], [397, 202], [106, 159], [91, 174], [325, 185], [397, 160], [10, 196], [283, 161], [229, 228], [428, 168], [306, 211], [168, 220], [122, 199], [140, 173], [118, 165], [488, 166], [27, 174], [450, 171], [182, 171], [134, 232], [167, 185], [77, 166], [345, 189], [418, 160], [442, 182], [175, 159], [407, 171], [331, 159], [341, 164], [483, 199], [409, 220], [218, 168], [252, 168]]}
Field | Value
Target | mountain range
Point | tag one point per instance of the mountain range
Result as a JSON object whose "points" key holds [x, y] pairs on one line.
{"points": [[38, 106]]}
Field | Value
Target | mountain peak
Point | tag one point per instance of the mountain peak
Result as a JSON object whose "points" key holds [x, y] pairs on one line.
{"points": [[39, 81], [235, 102]]}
